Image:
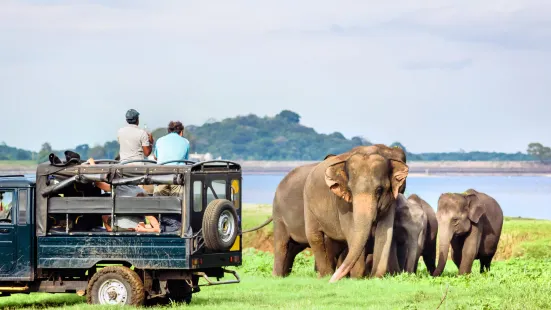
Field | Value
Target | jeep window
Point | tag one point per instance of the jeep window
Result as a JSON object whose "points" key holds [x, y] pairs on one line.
{"points": [[22, 202], [216, 190], [6, 203], [197, 196]]}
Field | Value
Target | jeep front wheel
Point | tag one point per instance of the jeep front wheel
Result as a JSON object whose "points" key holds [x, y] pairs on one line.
{"points": [[115, 285], [220, 225]]}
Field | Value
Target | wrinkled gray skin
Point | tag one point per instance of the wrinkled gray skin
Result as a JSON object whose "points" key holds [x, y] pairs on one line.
{"points": [[410, 224], [429, 248], [471, 223], [344, 196], [288, 214]]}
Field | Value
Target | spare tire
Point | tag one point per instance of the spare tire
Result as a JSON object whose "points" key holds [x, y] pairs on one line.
{"points": [[220, 225]]}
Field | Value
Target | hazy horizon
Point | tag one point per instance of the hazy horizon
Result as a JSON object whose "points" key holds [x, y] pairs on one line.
{"points": [[437, 76]]}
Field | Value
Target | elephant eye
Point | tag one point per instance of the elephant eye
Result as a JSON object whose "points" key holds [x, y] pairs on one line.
{"points": [[379, 191]]}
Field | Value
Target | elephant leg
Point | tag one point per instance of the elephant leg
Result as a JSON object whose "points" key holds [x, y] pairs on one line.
{"points": [[485, 262], [469, 251], [317, 244], [359, 269], [429, 256], [419, 249], [457, 247], [394, 262], [293, 248], [334, 250], [383, 243], [368, 263], [282, 257], [412, 255]]}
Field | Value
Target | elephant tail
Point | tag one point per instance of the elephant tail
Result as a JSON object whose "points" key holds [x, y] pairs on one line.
{"points": [[268, 221]]}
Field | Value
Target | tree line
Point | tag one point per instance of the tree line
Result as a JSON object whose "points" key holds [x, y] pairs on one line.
{"points": [[280, 137]]}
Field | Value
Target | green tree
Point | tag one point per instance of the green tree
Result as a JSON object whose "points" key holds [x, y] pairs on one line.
{"points": [[400, 145], [44, 152], [537, 150], [111, 149], [98, 152], [289, 116]]}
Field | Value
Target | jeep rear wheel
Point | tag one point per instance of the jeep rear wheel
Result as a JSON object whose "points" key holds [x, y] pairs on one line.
{"points": [[220, 225], [115, 285]]}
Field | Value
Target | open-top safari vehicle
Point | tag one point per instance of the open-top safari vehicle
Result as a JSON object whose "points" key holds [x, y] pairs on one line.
{"points": [[53, 236]]}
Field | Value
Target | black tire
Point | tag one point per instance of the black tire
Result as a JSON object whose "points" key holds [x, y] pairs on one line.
{"points": [[179, 291], [133, 286], [213, 239]]}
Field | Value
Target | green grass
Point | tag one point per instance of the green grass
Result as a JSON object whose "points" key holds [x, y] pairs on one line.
{"points": [[519, 279], [512, 284], [8, 163]]}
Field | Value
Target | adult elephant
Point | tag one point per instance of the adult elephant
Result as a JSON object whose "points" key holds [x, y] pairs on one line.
{"points": [[429, 248], [288, 213], [343, 197], [471, 222]]}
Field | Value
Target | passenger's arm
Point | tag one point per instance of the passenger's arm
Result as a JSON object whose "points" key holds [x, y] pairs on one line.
{"points": [[106, 187], [147, 143]]}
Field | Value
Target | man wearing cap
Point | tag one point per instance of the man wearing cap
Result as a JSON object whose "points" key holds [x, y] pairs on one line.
{"points": [[135, 143]]}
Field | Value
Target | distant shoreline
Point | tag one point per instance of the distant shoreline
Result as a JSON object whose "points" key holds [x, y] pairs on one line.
{"points": [[416, 168]]}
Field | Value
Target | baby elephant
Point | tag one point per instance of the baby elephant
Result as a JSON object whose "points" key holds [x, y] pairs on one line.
{"points": [[410, 225], [429, 249], [471, 222]]}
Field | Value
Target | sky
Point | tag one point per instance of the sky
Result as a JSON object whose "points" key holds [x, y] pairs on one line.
{"points": [[436, 75]]}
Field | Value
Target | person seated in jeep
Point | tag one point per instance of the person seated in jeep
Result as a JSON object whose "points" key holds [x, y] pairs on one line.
{"points": [[132, 223], [5, 206], [121, 190]]}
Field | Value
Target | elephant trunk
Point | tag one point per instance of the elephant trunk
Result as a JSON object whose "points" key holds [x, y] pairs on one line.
{"points": [[364, 209], [444, 247]]}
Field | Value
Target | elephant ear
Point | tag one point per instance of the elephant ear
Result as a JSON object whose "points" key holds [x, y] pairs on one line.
{"points": [[329, 156], [337, 180], [476, 210], [399, 174]]}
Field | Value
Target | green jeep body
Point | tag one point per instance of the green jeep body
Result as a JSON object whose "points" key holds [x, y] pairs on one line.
{"points": [[37, 254]]}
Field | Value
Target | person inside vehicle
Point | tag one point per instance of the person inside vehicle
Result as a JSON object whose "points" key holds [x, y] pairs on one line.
{"points": [[173, 146], [133, 223], [121, 190], [6, 199], [135, 143]]}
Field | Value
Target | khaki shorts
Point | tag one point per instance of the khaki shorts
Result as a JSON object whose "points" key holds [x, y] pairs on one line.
{"points": [[168, 190]]}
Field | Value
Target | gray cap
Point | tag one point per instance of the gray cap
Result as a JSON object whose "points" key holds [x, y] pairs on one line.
{"points": [[132, 115]]}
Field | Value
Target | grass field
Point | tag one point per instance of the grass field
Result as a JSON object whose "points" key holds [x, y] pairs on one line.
{"points": [[17, 163], [520, 279]]}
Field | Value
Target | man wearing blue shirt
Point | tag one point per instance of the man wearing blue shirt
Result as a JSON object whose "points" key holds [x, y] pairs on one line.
{"points": [[173, 146]]}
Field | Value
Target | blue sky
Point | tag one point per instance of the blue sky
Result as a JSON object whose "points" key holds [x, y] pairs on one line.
{"points": [[435, 75]]}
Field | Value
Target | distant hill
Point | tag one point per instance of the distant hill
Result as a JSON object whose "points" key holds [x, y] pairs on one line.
{"points": [[280, 137]]}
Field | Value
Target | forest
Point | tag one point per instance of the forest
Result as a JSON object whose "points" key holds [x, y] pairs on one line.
{"points": [[281, 137]]}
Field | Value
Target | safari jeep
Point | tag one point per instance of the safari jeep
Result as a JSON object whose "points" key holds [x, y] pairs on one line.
{"points": [[54, 236]]}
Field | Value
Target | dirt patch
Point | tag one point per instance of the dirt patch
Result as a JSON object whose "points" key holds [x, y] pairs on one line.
{"points": [[260, 240]]}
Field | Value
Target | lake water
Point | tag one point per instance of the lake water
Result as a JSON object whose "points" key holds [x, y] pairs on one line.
{"points": [[523, 196]]}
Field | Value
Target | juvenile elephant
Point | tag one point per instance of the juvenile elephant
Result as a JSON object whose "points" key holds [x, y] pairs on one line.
{"points": [[471, 222], [429, 248], [343, 197], [410, 225]]}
